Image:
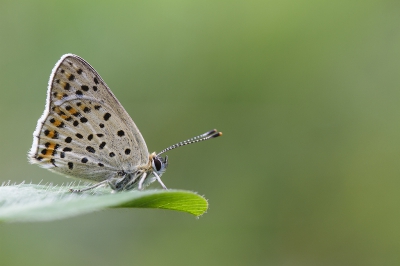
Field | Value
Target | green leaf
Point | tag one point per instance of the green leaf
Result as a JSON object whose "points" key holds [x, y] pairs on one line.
{"points": [[29, 203]]}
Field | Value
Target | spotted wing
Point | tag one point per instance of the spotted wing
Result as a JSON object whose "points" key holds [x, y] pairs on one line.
{"points": [[84, 131]]}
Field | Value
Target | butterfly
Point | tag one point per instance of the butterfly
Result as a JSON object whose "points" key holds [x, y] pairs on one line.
{"points": [[85, 133]]}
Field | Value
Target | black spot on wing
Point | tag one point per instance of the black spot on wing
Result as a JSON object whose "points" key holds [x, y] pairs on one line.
{"points": [[90, 149], [107, 116], [101, 146]]}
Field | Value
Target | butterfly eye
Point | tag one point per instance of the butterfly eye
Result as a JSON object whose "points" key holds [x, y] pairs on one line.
{"points": [[157, 164]]}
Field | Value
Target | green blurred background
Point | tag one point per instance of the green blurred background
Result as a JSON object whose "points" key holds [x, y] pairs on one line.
{"points": [[306, 94]]}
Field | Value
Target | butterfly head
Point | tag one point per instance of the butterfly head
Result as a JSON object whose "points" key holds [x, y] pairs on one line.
{"points": [[159, 164]]}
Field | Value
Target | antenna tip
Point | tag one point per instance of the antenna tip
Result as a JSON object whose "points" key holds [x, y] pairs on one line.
{"points": [[216, 135]]}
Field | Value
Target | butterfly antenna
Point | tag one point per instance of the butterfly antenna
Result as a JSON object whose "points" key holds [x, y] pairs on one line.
{"points": [[208, 135]]}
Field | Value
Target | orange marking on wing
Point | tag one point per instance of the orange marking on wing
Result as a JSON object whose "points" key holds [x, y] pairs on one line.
{"points": [[49, 150], [64, 117], [51, 146], [65, 85], [56, 95], [72, 111], [49, 154], [57, 122], [51, 134]]}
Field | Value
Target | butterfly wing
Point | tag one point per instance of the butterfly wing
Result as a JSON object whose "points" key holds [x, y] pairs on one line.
{"points": [[84, 131]]}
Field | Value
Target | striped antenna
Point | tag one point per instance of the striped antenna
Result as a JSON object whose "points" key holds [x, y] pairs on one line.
{"points": [[208, 135]]}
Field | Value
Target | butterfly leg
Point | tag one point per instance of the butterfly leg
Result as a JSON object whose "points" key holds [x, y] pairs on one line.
{"points": [[132, 178], [142, 178], [88, 188], [120, 183], [159, 181]]}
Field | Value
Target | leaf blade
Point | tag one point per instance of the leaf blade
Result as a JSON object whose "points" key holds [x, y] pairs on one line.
{"points": [[34, 203]]}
